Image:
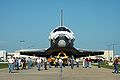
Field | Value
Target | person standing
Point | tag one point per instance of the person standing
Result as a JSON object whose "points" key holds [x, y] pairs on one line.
{"points": [[77, 62], [72, 63], [56, 63], [89, 62], [13, 63], [63, 62], [99, 63], [17, 63], [29, 63], [83, 62], [60, 63], [68, 62], [86, 63], [23, 63], [45, 63], [10, 64], [49, 62], [38, 63], [116, 68]]}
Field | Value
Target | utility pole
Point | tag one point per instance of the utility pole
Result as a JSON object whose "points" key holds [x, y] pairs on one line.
{"points": [[113, 47]]}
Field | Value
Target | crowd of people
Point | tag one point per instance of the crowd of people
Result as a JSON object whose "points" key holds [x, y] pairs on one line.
{"points": [[43, 63], [20, 63], [40, 62], [87, 62]]}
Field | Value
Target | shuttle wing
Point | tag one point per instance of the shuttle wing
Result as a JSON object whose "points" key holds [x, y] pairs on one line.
{"points": [[85, 53], [33, 52], [46, 52]]}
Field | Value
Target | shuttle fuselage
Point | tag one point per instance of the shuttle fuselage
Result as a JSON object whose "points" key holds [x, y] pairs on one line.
{"points": [[61, 37]]}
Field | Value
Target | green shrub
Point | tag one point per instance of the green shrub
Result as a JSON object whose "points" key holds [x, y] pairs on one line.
{"points": [[106, 65], [3, 65]]}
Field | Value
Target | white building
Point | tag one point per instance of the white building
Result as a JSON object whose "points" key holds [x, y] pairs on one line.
{"points": [[108, 55], [17, 54], [3, 55]]}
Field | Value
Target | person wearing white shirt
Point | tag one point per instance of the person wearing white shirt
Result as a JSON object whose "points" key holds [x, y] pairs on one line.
{"points": [[38, 63], [10, 64], [60, 63], [83, 62]]}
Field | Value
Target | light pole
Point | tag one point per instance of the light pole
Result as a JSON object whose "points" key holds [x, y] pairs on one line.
{"points": [[21, 43]]}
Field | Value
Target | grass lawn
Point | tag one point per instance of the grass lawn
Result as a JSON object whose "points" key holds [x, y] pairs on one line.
{"points": [[106, 65], [3, 65]]}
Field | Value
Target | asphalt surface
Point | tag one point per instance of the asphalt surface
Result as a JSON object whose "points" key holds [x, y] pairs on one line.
{"points": [[67, 73]]}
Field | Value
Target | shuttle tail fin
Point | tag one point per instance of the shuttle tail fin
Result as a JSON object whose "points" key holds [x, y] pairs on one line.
{"points": [[61, 18]]}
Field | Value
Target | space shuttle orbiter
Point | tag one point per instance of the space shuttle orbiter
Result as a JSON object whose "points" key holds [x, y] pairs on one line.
{"points": [[62, 40]]}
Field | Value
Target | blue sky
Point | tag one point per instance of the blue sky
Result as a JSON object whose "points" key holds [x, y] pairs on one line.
{"points": [[96, 23]]}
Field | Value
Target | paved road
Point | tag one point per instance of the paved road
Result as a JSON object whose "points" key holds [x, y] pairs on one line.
{"points": [[80, 73]]}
